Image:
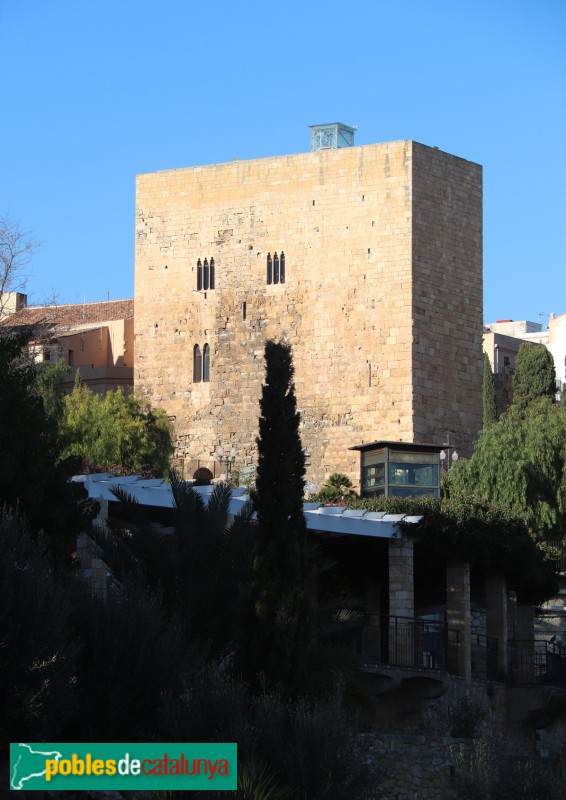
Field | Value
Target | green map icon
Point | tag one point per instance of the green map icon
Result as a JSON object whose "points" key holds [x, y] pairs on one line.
{"points": [[28, 765]]}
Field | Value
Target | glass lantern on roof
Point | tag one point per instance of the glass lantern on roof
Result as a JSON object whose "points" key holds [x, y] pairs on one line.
{"points": [[331, 136]]}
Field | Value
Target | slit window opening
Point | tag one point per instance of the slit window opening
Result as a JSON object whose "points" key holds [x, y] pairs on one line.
{"points": [[197, 364], [206, 363]]}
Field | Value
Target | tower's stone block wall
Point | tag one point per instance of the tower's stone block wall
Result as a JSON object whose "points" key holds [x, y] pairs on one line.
{"points": [[381, 301], [447, 297]]}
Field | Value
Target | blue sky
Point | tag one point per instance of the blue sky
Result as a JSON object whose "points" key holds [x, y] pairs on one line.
{"points": [[95, 92]]}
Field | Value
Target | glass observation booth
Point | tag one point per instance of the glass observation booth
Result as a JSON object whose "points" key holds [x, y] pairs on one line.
{"points": [[399, 469]]}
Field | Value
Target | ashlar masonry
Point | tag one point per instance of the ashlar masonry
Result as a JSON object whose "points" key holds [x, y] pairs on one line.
{"points": [[367, 259]]}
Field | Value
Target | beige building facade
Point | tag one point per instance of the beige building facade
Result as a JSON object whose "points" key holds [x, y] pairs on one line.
{"points": [[502, 340], [368, 260], [97, 339]]}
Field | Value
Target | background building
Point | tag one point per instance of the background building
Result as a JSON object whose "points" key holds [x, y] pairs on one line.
{"points": [[368, 260], [95, 338], [556, 343], [502, 340]]}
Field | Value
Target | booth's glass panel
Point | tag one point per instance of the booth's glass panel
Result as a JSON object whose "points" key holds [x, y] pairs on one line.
{"points": [[373, 477], [402, 474]]}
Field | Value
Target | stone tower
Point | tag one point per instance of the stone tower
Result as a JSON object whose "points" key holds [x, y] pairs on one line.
{"points": [[367, 259]]}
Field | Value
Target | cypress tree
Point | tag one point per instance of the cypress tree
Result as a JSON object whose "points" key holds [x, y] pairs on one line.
{"points": [[276, 623], [489, 402], [534, 376]]}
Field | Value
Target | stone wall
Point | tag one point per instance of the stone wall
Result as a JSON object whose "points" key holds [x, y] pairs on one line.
{"points": [[417, 767], [381, 300], [447, 297], [422, 750]]}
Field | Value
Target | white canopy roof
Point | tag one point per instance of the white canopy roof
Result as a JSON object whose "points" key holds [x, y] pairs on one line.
{"points": [[325, 519]]}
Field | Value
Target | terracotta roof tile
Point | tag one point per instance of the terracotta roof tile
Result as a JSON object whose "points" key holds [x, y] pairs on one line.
{"points": [[70, 316]]}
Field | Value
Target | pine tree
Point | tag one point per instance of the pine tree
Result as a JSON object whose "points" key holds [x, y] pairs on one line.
{"points": [[534, 376], [276, 623], [519, 464], [489, 402]]}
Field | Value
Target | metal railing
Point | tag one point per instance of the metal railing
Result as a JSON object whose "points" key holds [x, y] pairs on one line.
{"points": [[484, 656], [560, 561], [384, 640], [537, 662]]}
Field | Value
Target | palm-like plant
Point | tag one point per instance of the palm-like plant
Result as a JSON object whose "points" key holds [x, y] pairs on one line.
{"points": [[198, 570], [337, 487]]}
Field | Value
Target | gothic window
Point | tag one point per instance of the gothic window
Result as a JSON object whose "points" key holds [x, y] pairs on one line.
{"points": [[206, 363], [275, 268], [206, 275], [197, 364]]}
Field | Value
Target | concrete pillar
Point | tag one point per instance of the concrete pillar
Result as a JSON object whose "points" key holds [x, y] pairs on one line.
{"points": [[401, 603], [401, 578], [459, 617], [496, 618]]}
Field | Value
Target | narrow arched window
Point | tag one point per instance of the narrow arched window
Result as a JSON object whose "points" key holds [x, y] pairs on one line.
{"points": [[282, 268], [206, 363], [269, 268], [206, 273], [197, 364], [199, 275], [275, 268], [212, 273]]}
